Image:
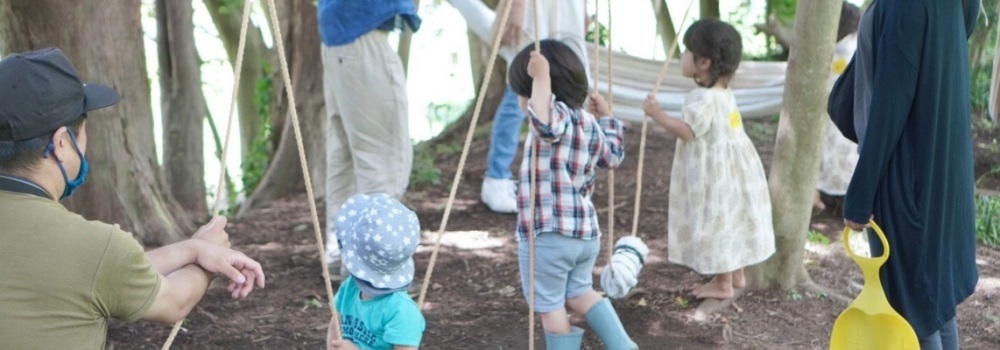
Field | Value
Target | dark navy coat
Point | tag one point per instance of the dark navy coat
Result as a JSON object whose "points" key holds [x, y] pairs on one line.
{"points": [[915, 172]]}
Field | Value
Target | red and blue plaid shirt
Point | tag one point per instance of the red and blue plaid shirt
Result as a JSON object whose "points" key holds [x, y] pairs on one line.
{"points": [[571, 147]]}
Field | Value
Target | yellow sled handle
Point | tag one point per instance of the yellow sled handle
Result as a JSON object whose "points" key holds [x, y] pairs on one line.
{"points": [[881, 235]]}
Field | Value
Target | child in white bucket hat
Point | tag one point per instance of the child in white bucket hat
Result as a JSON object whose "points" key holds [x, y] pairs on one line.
{"points": [[377, 236]]}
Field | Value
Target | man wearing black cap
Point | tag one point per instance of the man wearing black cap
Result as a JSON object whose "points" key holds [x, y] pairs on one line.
{"points": [[61, 276]]}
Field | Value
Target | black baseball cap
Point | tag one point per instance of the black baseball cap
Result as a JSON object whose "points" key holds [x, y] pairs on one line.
{"points": [[40, 91]]}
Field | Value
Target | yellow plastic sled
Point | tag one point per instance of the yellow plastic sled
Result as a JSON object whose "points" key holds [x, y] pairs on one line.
{"points": [[870, 322]]}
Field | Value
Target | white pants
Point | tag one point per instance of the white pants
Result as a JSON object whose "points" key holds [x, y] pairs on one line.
{"points": [[368, 146]]}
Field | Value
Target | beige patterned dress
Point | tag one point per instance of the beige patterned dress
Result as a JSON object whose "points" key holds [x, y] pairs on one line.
{"points": [[719, 219], [840, 155]]}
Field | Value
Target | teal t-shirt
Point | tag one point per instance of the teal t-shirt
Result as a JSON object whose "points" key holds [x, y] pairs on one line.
{"points": [[378, 323]]}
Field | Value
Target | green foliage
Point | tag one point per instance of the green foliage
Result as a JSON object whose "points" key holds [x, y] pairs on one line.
{"points": [[794, 295], [255, 162], [598, 29], [742, 18], [229, 6], [312, 302], [980, 81], [783, 9], [817, 238], [988, 220], [448, 149], [424, 172], [760, 131], [682, 302]]}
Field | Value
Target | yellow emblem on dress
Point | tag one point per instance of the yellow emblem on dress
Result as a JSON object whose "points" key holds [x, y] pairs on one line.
{"points": [[839, 65], [735, 121]]}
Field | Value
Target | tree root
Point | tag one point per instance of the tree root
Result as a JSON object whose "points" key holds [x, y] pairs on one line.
{"points": [[709, 307], [816, 289]]}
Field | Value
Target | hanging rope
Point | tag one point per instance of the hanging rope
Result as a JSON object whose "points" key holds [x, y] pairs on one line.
{"points": [[535, 148], [611, 172], [465, 155], [280, 47], [217, 207], [645, 124]]}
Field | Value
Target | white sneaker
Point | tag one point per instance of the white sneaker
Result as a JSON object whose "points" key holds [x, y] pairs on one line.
{"points": [[500, 195]]}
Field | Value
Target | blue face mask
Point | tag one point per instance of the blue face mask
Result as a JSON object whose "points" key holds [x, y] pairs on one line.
{"points": [[71, 186]]}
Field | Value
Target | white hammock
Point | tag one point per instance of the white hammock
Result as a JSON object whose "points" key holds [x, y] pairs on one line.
{"points": [[758, 86]]}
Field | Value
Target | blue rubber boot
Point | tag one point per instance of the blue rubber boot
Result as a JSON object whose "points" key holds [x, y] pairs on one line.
{"points": [[565, 341], [604, 321]]}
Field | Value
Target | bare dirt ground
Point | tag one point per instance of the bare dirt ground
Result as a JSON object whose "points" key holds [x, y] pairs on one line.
{"points": [[475, 300]]}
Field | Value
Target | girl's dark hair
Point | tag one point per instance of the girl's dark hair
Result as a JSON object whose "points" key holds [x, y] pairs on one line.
{"points": [[569, 76], [850, 18], [719, 42]]}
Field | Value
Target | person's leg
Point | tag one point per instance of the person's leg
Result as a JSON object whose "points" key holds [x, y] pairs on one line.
{"points": [[571, 340], [720, 287], [498, 192], [945, 338], [552, 266], [375, 117], [739, 279], [339, 167], [505, 135], [931, 342], [598, 311], [949, 335]]}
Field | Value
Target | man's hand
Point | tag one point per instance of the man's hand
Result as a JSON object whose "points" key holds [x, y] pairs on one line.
{"points": [[242, 271], [215, 232], [598, 106], [651, 106], [538, 66], [515, 25], [342, 345]]}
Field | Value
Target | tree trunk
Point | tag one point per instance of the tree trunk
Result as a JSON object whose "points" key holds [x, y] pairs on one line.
{"points": [[125, 186], [709, 9], [665, 25], [284, 175], [227, 16], [797, 149], [980, 40], [182, 106]]}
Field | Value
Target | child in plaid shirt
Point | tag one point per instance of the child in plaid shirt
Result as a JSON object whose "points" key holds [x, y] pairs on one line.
{"points": [[572, 143]]}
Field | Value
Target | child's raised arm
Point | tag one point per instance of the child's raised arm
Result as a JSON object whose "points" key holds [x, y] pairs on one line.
{"points": [[541, 86], [547, 119], [674, 126]]}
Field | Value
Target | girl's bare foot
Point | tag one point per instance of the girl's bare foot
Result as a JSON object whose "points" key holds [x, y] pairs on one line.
{"points": [[718, 288], [739, 280], [696, 290]]}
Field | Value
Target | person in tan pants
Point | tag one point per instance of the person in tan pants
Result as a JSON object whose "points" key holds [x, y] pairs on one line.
{"points": [[368, 141]]}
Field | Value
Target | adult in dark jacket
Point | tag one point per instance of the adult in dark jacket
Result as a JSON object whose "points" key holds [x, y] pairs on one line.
{"points": [[908, 107]]}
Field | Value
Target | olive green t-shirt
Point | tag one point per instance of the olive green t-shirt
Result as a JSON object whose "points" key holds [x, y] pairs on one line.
{"points": [[62, 277]]}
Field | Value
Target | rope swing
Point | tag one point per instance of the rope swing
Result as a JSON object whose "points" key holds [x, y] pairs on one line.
{"points": [[629, 254], [465, 154], [237, 70]]}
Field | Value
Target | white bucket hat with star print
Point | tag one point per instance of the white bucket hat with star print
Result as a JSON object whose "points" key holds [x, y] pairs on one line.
{"points": [[378, 236]]}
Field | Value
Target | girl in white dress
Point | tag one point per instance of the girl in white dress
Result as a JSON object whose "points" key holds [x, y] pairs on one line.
{"points": [[840, 155], [719, 219]]}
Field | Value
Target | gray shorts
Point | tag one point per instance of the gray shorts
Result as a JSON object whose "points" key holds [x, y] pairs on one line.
{"points": [[564, 268]]}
